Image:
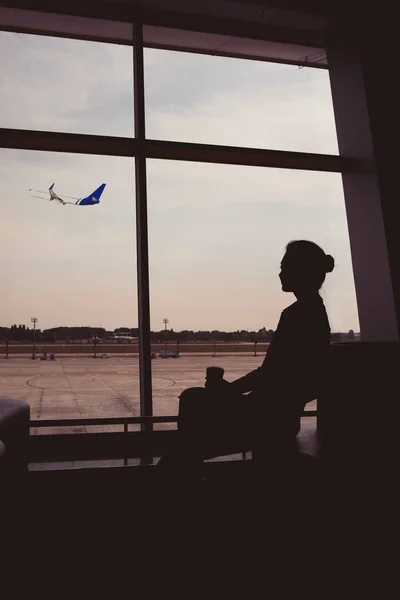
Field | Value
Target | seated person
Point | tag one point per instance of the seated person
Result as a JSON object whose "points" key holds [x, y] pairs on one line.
{"points": [[264, 407]]}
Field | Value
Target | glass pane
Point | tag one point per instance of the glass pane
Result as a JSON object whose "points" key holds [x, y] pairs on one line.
{"points": [[57, 84], [73, 268], [217, 100], [217, 234]]}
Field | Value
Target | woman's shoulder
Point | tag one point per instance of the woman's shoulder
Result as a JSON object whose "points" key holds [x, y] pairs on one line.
{"points": [[303, 311], [307, 304]]}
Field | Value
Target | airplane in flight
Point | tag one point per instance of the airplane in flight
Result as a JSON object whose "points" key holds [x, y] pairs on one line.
{"points": [[90, 200]]}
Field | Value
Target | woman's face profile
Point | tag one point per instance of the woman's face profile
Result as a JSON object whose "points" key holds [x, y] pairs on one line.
{"points": [[287, 274]]}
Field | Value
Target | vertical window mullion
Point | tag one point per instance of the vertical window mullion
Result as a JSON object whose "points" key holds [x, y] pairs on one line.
{"points": [[146, 402]]}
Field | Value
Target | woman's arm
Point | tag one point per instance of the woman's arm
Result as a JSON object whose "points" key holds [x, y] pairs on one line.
{"points": [[295, 356], [252, 380], [248, 382], [257, 378]]}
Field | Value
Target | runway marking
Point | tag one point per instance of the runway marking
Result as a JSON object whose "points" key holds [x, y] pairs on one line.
{"points": [[36, 379], [200, 370], [102, 383], [36, 394], [65, 392], [127, 373]]}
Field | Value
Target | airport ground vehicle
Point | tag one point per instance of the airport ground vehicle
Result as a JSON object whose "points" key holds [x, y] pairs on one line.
{"points": [[168, 354]]}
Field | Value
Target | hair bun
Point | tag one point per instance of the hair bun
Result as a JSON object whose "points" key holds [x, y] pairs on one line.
{"points": [[329, 263]]}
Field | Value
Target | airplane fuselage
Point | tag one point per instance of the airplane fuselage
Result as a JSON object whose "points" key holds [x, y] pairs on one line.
{"points": [[90, 200]]}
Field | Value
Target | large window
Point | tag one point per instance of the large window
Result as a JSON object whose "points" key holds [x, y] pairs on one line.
{"points": [[227, 101], [72, 268], [217, 228], [217, 234], [66, 85]]}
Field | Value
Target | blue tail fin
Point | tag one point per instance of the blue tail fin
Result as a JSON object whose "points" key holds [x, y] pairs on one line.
{"points": [[97, 193], [93, 198], [51, 187]]}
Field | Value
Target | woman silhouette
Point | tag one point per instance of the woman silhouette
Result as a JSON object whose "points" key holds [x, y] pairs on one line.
{"points": [[213, 420]]}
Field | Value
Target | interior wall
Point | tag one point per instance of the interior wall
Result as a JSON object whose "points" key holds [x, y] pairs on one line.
{"points": [[364, 121]]}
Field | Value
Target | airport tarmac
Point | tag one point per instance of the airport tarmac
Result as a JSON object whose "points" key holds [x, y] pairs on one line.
{"points": [[83, 387]]}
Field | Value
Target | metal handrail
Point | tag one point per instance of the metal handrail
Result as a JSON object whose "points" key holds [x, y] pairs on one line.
{"points": [[126, 421], [121, 420]]}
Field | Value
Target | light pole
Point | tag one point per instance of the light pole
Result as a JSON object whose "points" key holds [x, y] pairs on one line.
{"points": [[165, 321], [95, 340], [34, 321]]}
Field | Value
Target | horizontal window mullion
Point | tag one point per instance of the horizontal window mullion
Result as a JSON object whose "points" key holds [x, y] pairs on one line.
{"points": [[155, 17], [232, 155], [302, 61], [207, 153], [24, 139]]}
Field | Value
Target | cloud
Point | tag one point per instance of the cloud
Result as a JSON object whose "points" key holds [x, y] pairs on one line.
{"points": [[65, 85], [174, 184], [238, 102]]}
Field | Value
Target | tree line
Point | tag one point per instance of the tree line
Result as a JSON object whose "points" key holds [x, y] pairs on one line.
{"points": [[22, 333]]}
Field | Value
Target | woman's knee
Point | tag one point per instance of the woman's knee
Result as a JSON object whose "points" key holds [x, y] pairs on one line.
{"points": [[193, 393], [191, 404], [191, 397]]}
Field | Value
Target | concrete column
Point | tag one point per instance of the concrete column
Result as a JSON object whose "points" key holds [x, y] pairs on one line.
{"points": [[363, 115]]}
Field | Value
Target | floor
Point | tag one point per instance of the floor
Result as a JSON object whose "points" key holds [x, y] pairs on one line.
{"points": [[222, 537], [227, 536]]}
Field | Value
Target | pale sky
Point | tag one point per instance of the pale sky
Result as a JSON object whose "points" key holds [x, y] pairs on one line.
{"points": [[217, 233]]}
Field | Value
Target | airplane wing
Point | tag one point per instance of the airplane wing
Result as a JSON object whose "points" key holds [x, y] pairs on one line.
{"points": [[46, 192], [41, 198]]}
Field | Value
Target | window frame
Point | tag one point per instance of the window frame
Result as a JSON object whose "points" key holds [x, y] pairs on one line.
{"points": [[140, 149]]}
